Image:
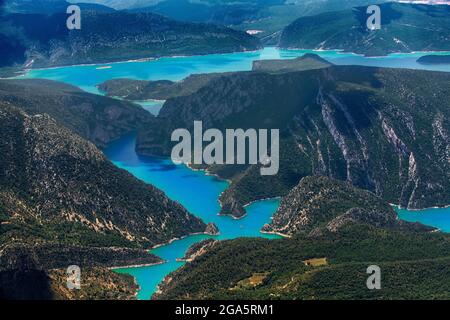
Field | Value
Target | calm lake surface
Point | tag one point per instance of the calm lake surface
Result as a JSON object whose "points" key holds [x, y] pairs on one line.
{"points": [[195, 190], [177, 68]]}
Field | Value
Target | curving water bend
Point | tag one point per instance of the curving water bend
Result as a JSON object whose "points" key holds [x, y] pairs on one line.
{"points": [[196, 191]]}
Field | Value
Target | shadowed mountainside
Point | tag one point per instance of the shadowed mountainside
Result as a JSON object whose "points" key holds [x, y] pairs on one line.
{"points": [[94, 117]]}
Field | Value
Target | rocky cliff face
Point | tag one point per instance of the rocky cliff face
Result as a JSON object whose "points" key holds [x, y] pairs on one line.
{"points": [[212, 229], [383, 130], [40, 40], [97, 284], [96, 118]]}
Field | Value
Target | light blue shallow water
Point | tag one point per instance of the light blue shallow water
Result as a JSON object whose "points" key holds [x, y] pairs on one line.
{"points": [[197, 191]]}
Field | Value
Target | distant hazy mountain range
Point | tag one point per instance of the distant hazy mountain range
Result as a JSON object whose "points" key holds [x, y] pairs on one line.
{"points": [[50, 6], [122, 4]]}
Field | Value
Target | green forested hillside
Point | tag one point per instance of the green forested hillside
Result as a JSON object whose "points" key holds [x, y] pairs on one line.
{"points": [[336, 231], [404, 28], [308, 61], [40, 40], [330, 266], [164, 89]]}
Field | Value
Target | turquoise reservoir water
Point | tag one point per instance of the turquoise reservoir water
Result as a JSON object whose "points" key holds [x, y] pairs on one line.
{"points": [[177, 68], [195, 190], [435, 217]]}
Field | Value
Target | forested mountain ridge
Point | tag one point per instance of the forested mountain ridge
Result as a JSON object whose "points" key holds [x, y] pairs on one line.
{"points": [[318, 203], [54, 176], [384, 130], [131, 89], [39, 40], [265, 17], [404, 28]]}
